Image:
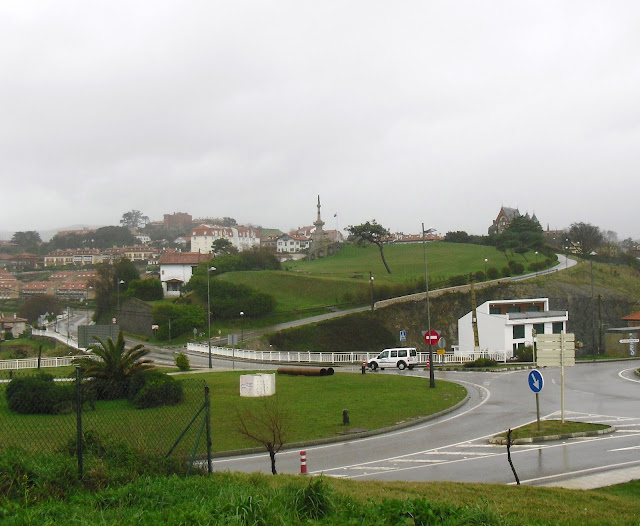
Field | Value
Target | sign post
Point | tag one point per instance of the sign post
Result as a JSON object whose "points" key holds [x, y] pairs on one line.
{"points": [[536, 383], [557, 350]]}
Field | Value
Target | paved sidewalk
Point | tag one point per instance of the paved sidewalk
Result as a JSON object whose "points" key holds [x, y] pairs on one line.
{"points": [[599, 480]]}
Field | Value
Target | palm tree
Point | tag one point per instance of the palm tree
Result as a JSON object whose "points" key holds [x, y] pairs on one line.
{"points": [[115, 366]]}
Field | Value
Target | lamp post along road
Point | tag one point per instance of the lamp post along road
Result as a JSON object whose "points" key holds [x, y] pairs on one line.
{"points": [[209, 270], [371, 283], [120, 282], [432, 379]]}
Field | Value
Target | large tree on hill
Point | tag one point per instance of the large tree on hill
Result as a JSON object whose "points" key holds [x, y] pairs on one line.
{"points": [[134, 219], [522, 234], [371, 233], [26, 240], [587, 235]]}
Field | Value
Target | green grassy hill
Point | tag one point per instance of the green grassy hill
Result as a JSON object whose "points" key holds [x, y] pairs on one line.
{"points": [[343, 280]]}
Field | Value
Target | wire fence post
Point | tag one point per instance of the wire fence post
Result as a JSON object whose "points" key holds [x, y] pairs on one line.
{"points": [[207, 416], [79, 422]]}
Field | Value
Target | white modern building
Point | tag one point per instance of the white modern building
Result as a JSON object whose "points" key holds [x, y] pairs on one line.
{"points": [[506, 325], [177, 268], [241, 237]]}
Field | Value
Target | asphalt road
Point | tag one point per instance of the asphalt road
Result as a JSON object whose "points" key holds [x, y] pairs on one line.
{"points": [[455, 447]]}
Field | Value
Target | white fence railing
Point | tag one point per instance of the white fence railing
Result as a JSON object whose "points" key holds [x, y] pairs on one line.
{"points": [[336, 357], [32, 363]]}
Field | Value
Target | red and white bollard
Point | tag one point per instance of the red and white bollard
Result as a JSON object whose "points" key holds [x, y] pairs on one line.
{"points": [[303, 462]]}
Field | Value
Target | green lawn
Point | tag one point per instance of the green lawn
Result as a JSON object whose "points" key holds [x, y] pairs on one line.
{"points": [[313, 408]]}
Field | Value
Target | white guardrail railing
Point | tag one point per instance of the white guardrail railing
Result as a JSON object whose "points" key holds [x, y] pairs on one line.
{"points": [[336, 357], [32, 363], [66, 339]]}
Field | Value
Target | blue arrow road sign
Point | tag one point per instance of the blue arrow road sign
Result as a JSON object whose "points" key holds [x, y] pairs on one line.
{"points": [[536, 382], [403, 336]]}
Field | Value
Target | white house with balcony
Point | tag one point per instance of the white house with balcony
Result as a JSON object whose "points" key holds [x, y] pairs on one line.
{"points": [[241, 237], [507, 325], [177, 268]]}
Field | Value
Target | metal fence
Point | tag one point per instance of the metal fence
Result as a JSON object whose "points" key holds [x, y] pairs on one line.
{"points": [[36, 425], [336, 357]]}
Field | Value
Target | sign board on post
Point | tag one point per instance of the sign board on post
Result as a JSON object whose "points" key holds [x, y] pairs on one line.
{"points": [[431, 337], [536, 383], [403, 336], [555, 350]]}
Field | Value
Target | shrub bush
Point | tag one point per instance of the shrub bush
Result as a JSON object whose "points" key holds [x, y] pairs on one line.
{"points": [[154, 389], [481, 362], [493, 273], [524, 354], [516, 268], [506, 272], [460, 279], [479, 276], [38, 395], [182, 362]]}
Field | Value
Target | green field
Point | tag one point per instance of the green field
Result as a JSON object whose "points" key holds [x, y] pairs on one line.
{"points": [[309, 287], [312, 407]]}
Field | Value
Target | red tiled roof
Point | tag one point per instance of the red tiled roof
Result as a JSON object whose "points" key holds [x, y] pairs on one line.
{"points": [[183, 258], [632, 317]]}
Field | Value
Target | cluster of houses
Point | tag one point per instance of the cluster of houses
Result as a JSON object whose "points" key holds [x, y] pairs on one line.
{"points": [[65, 285]]}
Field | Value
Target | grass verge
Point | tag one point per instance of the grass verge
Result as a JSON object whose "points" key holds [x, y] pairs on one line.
{"points": [[226, 498], [551, 427], [312, 408]]}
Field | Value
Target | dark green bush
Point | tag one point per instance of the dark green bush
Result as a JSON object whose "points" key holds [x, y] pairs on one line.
{"points": [[524, 354], [479, 276], [506, 272], [460, 279], [182, 362], [515, 267], [154, 389], [493, 273], [481, 362], [38, 395]]}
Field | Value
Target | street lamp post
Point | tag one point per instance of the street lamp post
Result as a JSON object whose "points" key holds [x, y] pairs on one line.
{"points": [[371, 288], [432, 380], [593, 311], [241, 327], [485, 267], [120, 282], [209, 270]]}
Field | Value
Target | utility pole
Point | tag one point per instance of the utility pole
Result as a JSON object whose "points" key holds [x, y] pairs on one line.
{"points": [[474, 319]]}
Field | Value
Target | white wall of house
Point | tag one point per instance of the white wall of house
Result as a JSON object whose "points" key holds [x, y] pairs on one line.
{"points": [[496, 331], [242, 238], [170, 273]]}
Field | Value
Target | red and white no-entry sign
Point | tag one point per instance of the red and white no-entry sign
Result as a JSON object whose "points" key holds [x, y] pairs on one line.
{"points": [[431, 337]]}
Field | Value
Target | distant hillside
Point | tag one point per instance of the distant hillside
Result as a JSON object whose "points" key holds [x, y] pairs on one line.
{"points": [[46, 235]]}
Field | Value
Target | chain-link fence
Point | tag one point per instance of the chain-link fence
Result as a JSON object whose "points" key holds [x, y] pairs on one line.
{"points": [[40, 413]]}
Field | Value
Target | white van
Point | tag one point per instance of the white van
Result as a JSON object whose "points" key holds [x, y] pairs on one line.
{"points": [[400, 357]]}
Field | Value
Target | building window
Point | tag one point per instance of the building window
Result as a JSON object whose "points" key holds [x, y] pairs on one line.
{"points": [[558, 327], [533, 308], [539, 328], [514, 309], [494, 310], [518, 332]]}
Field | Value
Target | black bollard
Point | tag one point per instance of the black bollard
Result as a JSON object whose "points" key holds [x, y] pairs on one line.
{"points": [[345, 417]]}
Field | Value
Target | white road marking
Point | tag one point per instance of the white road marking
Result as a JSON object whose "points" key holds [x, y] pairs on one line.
{"points": [[628, 379]]}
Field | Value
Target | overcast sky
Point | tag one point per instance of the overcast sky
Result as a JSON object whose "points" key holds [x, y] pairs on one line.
{"points": [[404, 111]]}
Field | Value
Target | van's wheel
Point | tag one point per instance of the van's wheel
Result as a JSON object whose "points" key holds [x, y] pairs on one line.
{"points": [[401, 365], [374, 366]]}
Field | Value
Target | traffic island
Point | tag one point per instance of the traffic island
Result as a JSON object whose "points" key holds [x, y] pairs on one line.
{"points": [[551, 430]]}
